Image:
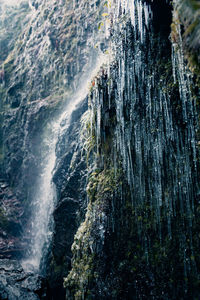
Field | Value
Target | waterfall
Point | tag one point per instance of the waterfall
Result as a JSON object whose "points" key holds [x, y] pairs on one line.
{"points": [[45, 192], [126, 172]]}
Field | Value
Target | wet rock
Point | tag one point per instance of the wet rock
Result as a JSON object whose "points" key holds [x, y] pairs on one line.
{"points": [[40, 71], [11, 211], [14, 19], [186, 13], [130, 247], [70, 180], [15, 284], [65, 227]]}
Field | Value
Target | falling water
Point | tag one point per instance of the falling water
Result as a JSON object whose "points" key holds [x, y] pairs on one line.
{"points": [[45, 195], [11, 2]]}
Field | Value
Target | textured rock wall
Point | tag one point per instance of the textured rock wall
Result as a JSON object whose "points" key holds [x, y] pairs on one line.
{"points": [[185, 30], [188, 14], [127, 247], [70, 179], [119, 251], [48, 54], [41, 63], [16, 284], [39, 73]]}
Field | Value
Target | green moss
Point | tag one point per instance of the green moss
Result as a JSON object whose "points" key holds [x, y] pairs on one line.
{"points": [[87, 135], [187, 14], [190, 29], [80, 281], [83, 261], [194, 4]]}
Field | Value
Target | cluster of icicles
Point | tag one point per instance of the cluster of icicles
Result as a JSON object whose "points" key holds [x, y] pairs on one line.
{"points": [[158, 152]]}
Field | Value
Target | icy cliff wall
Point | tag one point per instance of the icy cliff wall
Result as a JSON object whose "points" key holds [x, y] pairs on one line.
{"points": [[140, 237], [128, 166]]}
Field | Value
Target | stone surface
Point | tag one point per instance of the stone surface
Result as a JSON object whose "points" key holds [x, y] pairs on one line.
{"points": [[11, 226], [187, 13], [117, 252], [15, 284], [41, 60], [140, 236], [70, 179]]}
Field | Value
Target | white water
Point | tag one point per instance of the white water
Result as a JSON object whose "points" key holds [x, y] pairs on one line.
{"points": [[11, 2], [45, 195]]}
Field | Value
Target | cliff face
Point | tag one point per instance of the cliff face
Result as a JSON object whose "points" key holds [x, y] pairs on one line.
{"points": [[140, 237], [41, 60], [12, 22], [126, 174], [38, 76]]}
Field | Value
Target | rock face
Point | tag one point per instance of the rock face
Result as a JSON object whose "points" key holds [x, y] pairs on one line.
{"points": [[140, 237], [41, 61], [127, 166], [39, 74], [15, 284], [11, 211], [70, 178], [12, 22], [187, 13]]}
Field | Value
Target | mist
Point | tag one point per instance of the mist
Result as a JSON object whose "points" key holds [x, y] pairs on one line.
{"points": [[11, 2]]}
